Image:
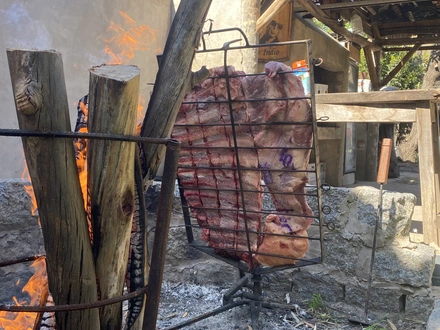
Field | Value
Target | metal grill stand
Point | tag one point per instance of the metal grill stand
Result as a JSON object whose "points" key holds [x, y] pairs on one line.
{"points": [[248, 290]]}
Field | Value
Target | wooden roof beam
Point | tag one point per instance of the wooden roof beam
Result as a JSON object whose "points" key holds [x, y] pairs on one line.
{"points": [[407, 41], [364, 3], [334, 25], [408, 48]]}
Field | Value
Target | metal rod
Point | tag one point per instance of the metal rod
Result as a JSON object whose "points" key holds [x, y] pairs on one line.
{"points": [[20, 260], [373, 252], [237, 158], [75, 135], [208, 314], [161, 235]]}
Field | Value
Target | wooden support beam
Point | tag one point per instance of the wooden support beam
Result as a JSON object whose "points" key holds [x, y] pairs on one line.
{"points": [[400, 65], [372, 68], [41, 102], [334, 25], [406, 41], [404, 96], [270, 12], [406, 49], [428, 152], [354, 4], [113, 103], [337, 113], [174, 79]]}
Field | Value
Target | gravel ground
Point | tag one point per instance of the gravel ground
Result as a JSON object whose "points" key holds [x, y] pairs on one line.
{"points": [[181, 302]]}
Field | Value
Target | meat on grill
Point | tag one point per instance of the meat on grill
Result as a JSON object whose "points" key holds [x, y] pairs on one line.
{"points": [[283, 155], [208, 166], [208, 163]]}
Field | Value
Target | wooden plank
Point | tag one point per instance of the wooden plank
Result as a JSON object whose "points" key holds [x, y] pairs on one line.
{"points": [[113, 103], [378, 97], [270, 12], [425, 130], [41, 101], [363, 114]]}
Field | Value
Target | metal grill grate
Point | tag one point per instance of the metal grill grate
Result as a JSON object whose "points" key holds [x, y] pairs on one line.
{"points": [[223, 177]]}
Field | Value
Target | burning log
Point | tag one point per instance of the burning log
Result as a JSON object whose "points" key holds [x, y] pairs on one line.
{"points": [[41, 103], [113, 102]]}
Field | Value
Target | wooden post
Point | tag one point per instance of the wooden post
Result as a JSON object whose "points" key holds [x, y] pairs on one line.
{"points": [[427, 130], [41, 102], [113, 102], [174, 79]]}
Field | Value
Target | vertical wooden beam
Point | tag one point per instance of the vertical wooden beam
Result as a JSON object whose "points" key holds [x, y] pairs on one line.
{"points": [[372, 68], [113, 103], [429, 186], [372, 142], [41, 101]]}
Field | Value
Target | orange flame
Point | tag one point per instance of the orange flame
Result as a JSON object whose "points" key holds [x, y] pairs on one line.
{"points": [[127, 40], [36, 287], [29, 189]]}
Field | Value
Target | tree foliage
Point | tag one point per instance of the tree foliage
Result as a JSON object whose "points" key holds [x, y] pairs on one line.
{"points": [[409, 77]]}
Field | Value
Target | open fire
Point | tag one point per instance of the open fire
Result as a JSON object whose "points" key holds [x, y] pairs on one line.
{"points": [[37, 289], [126, 39]]}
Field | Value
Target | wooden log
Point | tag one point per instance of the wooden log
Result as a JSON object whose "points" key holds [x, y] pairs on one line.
{"points": [[427, 130], [174, 79], [113, 102], [41, 102]]}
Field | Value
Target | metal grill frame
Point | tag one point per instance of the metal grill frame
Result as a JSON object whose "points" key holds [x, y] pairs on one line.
{"points": [[204, 246]]}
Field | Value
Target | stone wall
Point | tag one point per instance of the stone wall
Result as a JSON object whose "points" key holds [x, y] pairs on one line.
{"points": [[402, 272], [20, 238], [402, 269]]}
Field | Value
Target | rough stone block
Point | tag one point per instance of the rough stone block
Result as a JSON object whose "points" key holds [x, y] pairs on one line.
{"points": [[386, 299], [419, 305], [20, 234], [313, 280], [13, 279], [405, 263]]}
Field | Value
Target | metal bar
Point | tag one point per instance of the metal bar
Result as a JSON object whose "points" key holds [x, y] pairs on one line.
{"points": [[208, 314], [161, 235], [237, 157], [316, 151], [75, 135], [20, 260]]}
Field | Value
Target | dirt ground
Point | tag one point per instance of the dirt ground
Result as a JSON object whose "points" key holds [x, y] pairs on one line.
{"points": [[181, 302]]}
